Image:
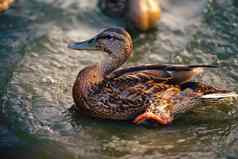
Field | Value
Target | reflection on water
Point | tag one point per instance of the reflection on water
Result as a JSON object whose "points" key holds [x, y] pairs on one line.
{"points": [[37, 73]]}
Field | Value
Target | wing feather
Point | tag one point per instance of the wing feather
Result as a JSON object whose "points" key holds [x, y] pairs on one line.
{"points": [[176, 74]]}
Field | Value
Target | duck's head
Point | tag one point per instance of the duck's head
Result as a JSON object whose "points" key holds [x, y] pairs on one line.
{"points": [[142, 13], [5, 4], [115, 41]]}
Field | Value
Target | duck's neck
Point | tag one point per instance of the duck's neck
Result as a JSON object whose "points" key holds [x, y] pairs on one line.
{"points": [[110, 64], [95, 74]]}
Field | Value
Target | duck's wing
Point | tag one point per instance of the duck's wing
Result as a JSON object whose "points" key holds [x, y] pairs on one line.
{"points": [[124, 97], [175, 74]]}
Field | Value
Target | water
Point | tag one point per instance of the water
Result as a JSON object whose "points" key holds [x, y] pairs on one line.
{"points": [[37, 72]]}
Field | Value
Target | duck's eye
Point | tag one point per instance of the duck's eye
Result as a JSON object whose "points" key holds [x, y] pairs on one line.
{"points": [[109, 37]]}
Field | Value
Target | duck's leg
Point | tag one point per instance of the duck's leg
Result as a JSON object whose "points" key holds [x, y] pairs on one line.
{"points": [[160, 109], [163, 119]]}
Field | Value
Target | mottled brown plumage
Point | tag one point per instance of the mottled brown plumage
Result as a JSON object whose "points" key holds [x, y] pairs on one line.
{"points": [[146, 92], [142, 13]]}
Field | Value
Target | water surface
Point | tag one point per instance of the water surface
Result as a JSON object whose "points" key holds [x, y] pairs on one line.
{"points": [[37, 73]]}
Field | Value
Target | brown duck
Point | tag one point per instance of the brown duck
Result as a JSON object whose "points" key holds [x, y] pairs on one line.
{"points": [[5, 4], [142, 13], [148, 92]]}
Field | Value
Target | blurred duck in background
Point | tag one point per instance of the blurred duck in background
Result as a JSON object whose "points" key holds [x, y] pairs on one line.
{"points": [[5, 4], [140, 93], [143, 14]]}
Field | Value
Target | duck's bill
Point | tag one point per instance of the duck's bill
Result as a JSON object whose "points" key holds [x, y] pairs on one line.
{"points": [[84, 45]]}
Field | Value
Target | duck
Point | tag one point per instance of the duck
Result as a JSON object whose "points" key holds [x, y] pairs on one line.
{"points": [[152, 92], [5, 4], [143, 14]]}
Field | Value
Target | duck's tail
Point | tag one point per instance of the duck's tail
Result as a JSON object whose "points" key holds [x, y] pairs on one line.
{"points": [[213, 99], [197, 95], [220, 95]]}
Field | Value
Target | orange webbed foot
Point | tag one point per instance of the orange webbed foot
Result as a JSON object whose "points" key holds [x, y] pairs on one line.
{"points": [[162, 119]]}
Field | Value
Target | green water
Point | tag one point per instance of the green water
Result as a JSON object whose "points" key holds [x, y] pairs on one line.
{"points": [[37, 72]]}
